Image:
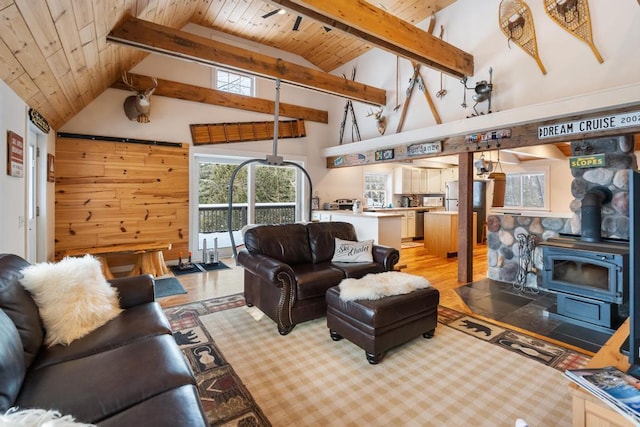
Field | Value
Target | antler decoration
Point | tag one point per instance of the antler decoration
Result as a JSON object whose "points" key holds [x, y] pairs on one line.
{"points": [[516, 22], [137, 107], [573, 16]]}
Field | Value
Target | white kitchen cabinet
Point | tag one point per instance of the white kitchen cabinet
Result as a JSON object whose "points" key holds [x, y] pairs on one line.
{"points": [[434, 181], [411, 224], [449, 174], [410, 181], [407, 224]]}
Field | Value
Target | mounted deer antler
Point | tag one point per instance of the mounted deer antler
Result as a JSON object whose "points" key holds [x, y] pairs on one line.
{"points": [[137, 107], [381, 121]]}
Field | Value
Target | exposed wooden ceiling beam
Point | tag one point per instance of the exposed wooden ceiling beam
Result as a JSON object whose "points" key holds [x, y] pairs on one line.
{"points": [[180, 44], [381, 29], [193, 93]]}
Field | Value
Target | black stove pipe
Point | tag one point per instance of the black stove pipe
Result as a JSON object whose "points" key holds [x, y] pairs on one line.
{"points": [[592, 213]]}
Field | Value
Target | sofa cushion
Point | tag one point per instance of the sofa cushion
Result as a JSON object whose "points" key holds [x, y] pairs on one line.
{"points": [[98, 386], [169, 409], [149, 320], [288, 243], [17, 303], [322, 237], [314, 279], [358, 270], [12, 369], [73, 297]]}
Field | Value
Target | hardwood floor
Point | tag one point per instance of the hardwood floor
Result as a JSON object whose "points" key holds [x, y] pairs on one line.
{"points": [[441, 272]]}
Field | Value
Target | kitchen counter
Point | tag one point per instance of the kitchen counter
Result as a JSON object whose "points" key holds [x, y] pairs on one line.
{"points": [[383, 228], [368, 214], [413, 208]]}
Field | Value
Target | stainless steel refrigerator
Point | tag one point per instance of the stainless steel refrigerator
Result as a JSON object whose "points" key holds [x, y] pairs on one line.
{"points": [[479, 202]]}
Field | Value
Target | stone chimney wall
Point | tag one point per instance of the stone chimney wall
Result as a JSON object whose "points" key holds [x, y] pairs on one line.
{"points": [[619, 158]]}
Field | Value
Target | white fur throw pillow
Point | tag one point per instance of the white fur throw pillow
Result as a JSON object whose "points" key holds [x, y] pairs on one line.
{"points": [[380, 285], [38, 418], [73, 297], [348, 251]]}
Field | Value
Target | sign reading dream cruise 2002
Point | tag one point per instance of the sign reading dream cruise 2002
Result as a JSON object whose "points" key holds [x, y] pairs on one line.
{"points": [[616, 121]]}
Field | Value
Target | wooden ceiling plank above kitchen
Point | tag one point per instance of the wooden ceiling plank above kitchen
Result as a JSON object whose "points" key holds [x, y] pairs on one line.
{"points": [[167, 41], [193, 93], [384, 30]]}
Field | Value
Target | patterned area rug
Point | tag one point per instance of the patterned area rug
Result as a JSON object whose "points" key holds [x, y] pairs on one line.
{"points": [[228, 401], [225, 399], [542, 351]]}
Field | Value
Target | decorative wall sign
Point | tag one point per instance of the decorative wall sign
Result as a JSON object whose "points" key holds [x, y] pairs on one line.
{"points": [[350, 160], [488, 136], [425, 148], [590, 125], [38, 120], [384, 155], [581, 162], [51, 171], [15, 155]]}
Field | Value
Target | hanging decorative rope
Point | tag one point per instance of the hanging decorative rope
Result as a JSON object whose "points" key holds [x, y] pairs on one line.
{"points": [[516, 22], [573, 16], [526, 247]]}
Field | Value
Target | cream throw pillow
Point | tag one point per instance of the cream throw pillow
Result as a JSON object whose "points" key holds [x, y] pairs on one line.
{"points": [[73, 297], [348, 251]]}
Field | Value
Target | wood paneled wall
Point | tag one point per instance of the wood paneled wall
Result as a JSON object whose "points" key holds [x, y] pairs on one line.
{"points": [[110, 193]]}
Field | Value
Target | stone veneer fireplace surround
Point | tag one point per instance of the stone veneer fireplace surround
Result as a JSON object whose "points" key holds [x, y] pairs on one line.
{"points": [[503, 230]]}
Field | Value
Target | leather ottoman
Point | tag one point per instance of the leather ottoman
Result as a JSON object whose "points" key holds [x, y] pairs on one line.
{"points": [[378, 325]]}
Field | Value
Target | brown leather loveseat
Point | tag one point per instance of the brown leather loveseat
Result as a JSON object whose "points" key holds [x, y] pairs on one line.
{"points": [[128, 372], [288, 268]]}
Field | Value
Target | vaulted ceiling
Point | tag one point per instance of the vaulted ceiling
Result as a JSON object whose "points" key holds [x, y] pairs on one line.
{"points": [[55, 56]]}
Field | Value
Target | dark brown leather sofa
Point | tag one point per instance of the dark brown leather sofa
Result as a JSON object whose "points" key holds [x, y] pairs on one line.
{"points": [[128, 372], [288, 268]]}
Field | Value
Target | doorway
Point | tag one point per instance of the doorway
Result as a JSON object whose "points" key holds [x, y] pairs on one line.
{"points": [[32, 197]]}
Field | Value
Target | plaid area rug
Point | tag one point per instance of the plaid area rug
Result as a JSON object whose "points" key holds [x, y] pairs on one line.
{"points": [[225, 399], [228, 402]]}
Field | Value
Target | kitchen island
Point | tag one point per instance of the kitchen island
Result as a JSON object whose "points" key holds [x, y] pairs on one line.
{"points": [[441, 233], [383, 228], [412, 221]]}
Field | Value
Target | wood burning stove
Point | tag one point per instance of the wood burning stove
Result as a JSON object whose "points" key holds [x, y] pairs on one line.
{"points": [[591, 279]]}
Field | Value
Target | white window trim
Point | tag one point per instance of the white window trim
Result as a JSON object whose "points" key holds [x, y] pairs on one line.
{"points": [[388, 185], [214, 74], [523, 170]]}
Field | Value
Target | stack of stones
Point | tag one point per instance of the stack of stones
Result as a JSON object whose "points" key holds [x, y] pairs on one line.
{"points": [[507, 233]]}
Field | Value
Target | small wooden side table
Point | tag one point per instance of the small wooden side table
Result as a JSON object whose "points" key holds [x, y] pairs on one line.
{"points": [[590, 411]]}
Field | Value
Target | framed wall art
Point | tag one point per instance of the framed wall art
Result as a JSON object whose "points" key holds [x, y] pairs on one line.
{"points": [[15, 155], [51, 170]]}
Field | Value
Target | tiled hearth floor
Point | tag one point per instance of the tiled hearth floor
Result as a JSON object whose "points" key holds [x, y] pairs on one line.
{"points": [[530, 311]]}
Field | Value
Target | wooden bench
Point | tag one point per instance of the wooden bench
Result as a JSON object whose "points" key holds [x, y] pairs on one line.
{"points": [[149, 257]]}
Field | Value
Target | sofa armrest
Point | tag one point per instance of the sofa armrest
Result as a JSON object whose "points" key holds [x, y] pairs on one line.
{"points": [[386, 256], [268, 269], [134, 290]]}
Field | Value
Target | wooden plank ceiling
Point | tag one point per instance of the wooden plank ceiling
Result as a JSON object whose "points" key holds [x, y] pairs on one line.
{"points": [[54, 53]]}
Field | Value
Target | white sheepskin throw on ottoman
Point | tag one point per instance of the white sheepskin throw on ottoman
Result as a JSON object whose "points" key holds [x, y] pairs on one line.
{"points": [[380, 285]]}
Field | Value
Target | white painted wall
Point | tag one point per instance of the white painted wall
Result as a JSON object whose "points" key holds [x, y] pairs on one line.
{"points": [[13, 205]]}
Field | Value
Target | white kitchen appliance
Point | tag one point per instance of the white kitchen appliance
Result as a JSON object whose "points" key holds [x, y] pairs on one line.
{"points": [[433, 201], [451, 195]]}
